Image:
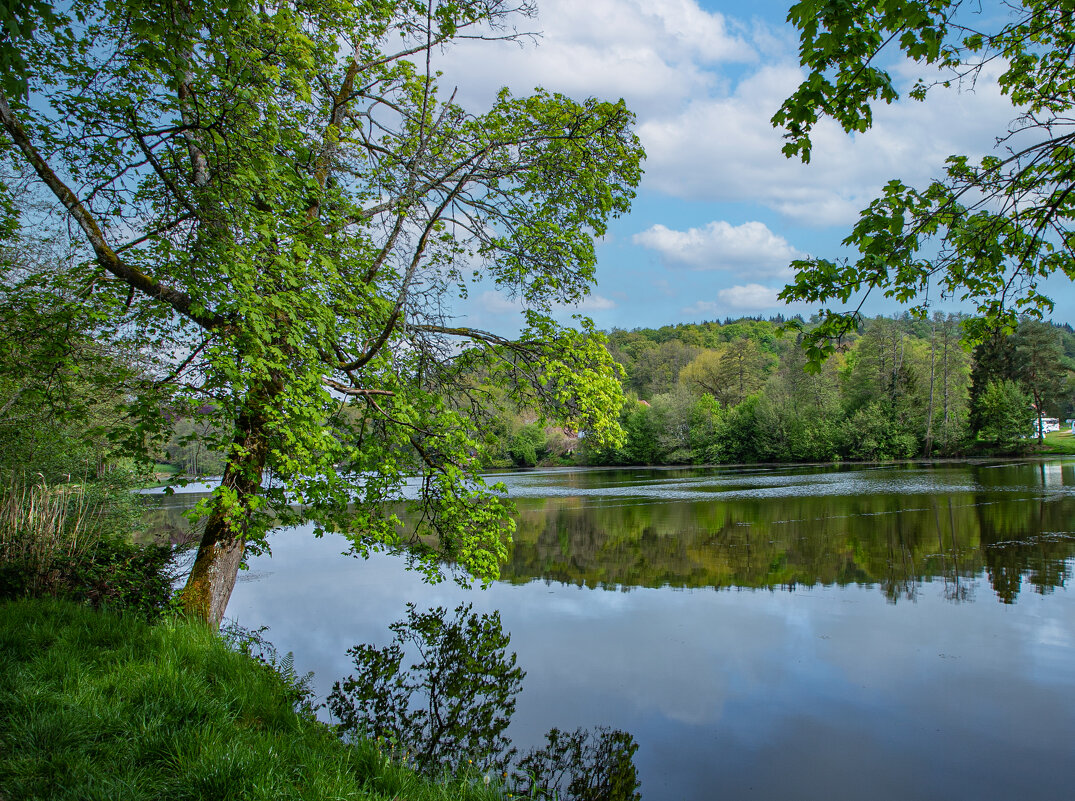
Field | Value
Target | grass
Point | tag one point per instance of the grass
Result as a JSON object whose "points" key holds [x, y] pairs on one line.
{"points": [[40, 524], [58, 540], [1059, 442], [99, 706]]}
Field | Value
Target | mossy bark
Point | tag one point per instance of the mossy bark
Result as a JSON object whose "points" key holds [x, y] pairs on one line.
{"points": [[228, 527]]}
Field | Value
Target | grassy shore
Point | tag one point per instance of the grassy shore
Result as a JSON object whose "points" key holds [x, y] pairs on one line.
{"points": [[99, 706], [1059, 442]]}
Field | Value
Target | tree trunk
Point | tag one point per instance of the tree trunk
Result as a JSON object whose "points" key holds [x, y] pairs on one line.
{"points": [[223, 543]]}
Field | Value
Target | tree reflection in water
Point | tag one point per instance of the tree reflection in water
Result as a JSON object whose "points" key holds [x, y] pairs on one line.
{"points": [[449, 708], [892, 541]]}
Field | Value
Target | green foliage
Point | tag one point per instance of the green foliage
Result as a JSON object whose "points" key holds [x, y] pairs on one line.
{"points": [[65, 541], [64, 383], [872, 434], [1039, 367], [527, 445], [988, 232], [287, 202], [190, 447], [899, 388], [94, 705], [1005, 413], [453, 701], [253, 643], [640, 427]]}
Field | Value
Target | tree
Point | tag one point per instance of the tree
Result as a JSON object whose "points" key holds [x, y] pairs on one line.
{"points": [[949, 371], [62, 385], [283, 197], [1006, 413], [703, 374], [657, 369], [994, 361], [989, 231], [1037, 353], [741, 370]]}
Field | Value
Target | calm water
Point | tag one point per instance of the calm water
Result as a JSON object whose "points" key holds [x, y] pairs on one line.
{"points": [[900, 632]]}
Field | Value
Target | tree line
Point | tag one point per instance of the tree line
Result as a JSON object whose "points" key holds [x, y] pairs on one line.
{"points": [[743, 391]]}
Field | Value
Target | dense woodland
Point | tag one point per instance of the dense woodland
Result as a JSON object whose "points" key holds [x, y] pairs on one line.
{"points": [[741, 391]]}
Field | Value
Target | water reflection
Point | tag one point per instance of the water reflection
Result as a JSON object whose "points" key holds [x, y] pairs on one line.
{"points": [[766, 689], [895, 527], [979, 519], [808, 674], [454, 701]]}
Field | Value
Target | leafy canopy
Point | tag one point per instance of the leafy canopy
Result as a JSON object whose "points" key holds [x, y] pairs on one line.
{"points": [[280, 199], [990, 230]]}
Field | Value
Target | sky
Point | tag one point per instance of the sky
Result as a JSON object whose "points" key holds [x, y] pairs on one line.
{"points": [[720, 211]]}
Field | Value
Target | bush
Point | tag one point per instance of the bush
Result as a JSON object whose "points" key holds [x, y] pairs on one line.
{"points": [[528, 446], [1005, 413], [53, 543]]}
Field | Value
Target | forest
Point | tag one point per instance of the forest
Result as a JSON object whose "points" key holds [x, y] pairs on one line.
{"points": [[741, 391]]}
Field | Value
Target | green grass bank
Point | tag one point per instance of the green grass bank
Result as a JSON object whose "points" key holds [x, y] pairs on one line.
{"points": [[95, 705], [1059, 442]]}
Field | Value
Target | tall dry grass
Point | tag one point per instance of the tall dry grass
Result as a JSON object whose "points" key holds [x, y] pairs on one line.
{"points": [[42, 524]]}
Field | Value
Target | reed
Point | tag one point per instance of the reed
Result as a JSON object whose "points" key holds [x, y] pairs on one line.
{"points": [[41, 525]]}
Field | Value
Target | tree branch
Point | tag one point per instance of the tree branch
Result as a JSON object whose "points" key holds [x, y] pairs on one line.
{"points": [[106, 256]]}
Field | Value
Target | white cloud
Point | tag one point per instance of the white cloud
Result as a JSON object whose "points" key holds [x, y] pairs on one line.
{"points": [[594, 303], [749, 296], [703, 308], [706, 128], [725, 149], [655, 54], [721, 246], [745, 299]]}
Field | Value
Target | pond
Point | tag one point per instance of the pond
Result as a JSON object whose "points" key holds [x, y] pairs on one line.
{"points": [[883, 632]]}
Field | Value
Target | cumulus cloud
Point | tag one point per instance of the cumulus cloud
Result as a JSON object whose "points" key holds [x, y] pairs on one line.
{"points": [[744, 299], [721, 148], [721, 246], [749, 296], [654, 53], [705, 127]]}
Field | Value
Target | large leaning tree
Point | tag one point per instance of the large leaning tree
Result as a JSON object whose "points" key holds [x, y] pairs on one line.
{"points": [[281, 197], [991, 229]]}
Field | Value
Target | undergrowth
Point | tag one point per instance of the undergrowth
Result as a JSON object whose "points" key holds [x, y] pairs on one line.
{"points": [[73, 541]]}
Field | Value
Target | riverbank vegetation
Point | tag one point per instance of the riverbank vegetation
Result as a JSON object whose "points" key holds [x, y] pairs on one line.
{"points": [[739, 392], [99, 705]]}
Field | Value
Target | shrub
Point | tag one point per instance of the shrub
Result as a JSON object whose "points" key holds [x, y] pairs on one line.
{"points": [[54, 542]]}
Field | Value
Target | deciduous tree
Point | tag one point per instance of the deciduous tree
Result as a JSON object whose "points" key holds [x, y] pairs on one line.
{"points": [[990, 230], [282, 196]]}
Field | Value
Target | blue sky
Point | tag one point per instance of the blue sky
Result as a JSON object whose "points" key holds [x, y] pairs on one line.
{"points": [[720, 211]]}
